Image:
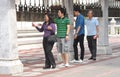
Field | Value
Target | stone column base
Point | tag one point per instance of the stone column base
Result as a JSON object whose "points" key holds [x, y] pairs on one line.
{"points": [[104, 50], [11, 67]]}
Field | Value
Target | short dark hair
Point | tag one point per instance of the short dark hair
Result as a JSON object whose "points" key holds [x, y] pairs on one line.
{"points": [[91, 11], [77, 9], [62, 10]]}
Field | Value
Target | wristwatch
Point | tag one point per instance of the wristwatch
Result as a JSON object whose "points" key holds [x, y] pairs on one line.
{"points": [[67, 35]]}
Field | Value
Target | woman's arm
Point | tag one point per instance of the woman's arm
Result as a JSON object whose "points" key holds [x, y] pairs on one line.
{"points": [[40, 29]]}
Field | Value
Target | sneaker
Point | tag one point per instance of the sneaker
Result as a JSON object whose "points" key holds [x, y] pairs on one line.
{"points": [[80, 61], [67, 65], [62, 64], [73, 61]]}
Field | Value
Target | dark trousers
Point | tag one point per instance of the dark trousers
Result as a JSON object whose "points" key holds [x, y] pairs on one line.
{"points": [[80, 40], [49, 58], [92, 46]]}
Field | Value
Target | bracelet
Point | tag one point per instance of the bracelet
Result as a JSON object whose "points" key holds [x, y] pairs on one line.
{"points": [[67, 35]]}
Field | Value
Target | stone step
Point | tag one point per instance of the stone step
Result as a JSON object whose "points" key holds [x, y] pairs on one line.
{"points": [[29, 34], [27, 31], [29, 46], [28, 39]]}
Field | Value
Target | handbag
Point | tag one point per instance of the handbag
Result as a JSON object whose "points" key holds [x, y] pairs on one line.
{"points": [[52, 38]]}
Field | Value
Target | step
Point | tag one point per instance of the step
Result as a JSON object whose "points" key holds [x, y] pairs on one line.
{"points": [[29, 40], [29, 46], [27, 31], [30, 34]]}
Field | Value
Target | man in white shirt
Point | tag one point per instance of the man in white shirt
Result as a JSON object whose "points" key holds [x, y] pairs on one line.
{"points": [[92, 26]]}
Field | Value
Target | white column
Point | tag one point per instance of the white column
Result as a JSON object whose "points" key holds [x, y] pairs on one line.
{"points": [[9, 61], [103, 41], [69, 8]]}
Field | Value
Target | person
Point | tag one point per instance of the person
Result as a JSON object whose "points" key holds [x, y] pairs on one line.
{"points": [[48, 28], [92, 26], [63, 29], [79, 35]]}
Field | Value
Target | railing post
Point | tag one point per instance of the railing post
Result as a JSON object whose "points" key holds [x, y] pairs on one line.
{"points": [[112, 26]]}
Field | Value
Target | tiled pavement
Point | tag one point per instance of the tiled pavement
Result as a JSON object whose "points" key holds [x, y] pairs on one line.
{"points": [[33, 61]]}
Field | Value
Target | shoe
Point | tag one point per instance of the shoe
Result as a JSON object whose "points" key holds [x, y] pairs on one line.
{"points": [[74, 61], [61, 65], [67, 65], [54, 66], [94, 59], [46, 67], [90, 58], [80, 61]]}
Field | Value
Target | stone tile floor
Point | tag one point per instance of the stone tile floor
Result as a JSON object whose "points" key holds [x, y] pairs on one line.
{"points": [[33, 61]]}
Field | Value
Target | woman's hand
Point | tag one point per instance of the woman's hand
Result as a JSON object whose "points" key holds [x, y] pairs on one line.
{"points": [[34, 25], [49, 28]]}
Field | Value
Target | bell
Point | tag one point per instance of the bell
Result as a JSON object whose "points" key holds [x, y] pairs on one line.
{"points": [[47, 8], [30, 11], [20, 7], [25, 6], [30, 7], [39, 7], [43, 7], [82, 9], [34, 7]]}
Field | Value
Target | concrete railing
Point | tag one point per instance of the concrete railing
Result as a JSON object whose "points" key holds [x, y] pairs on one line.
{"points": [[114, 29]]}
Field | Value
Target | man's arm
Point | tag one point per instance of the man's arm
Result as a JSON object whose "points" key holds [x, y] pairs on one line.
{"points": [[68, 30], [78, 29], [97, 30], [67, 33], [76, 34]]}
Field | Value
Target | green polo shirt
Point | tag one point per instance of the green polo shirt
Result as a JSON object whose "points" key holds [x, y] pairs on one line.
{"points": [[61, 26]]}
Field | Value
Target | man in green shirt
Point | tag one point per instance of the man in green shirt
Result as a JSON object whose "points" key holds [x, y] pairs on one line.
{"points": [[63, 29]]}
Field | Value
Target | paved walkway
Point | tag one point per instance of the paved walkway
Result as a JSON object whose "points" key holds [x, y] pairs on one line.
{"points": [[105, 66]]}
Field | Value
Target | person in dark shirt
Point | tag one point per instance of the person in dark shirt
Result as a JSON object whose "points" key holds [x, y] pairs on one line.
{"points": [[48, 27], [79, 35]]}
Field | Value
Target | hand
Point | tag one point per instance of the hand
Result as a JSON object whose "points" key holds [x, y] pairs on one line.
{"points": [[67, 38], [74, 20], [49, 28], [96, 36], [33, 25], [75, 36]]}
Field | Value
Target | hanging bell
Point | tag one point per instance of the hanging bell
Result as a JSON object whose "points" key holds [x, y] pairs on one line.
{"points": [[25, 6], [20, 7], [34, 7]]}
